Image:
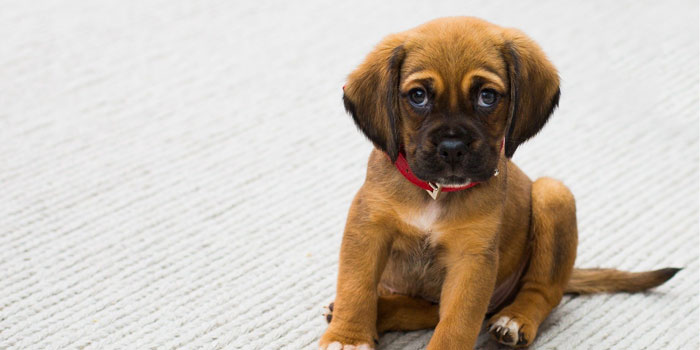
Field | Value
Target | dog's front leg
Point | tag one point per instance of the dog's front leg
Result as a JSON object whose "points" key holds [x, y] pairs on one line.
{"points": [[466, 291], [363, 255]]}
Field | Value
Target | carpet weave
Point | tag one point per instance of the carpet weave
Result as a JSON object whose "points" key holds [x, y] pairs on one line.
{"points": [[176, 175]]}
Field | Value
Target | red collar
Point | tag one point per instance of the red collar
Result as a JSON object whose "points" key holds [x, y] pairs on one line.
{"points": [[434, 190]]}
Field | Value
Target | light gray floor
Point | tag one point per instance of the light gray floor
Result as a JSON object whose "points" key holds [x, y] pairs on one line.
{"points": [[177, 176]]}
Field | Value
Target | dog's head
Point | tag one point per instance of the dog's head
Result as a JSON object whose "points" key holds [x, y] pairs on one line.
{"points": [[447, 93]]}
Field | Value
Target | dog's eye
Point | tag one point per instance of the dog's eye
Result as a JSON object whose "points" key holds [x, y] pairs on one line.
{"points": [[487, 98], [418, 97]]}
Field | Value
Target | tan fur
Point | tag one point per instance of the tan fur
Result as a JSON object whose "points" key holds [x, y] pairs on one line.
{"points": [[402, 252]]}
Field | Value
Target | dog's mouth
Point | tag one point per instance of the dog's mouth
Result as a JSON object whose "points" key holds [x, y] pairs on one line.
{"points": [[454, 181], [427, 171], [475, 166]]}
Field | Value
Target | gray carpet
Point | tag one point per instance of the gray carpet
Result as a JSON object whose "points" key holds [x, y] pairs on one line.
{"points": [[176, 176]]}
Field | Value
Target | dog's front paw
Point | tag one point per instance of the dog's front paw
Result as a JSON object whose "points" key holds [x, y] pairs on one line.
{"points": [[512, 330], [340, 346], [331, 341], [345, 338]]}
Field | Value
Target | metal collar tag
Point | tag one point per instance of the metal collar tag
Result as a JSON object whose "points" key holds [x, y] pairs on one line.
{"points": [[437, 189]]}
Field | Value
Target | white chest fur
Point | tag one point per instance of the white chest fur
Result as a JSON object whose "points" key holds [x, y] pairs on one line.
{"points": [[425, 218]]}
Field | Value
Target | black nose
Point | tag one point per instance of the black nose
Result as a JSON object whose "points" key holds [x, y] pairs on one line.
{"points": [[452, 151]]}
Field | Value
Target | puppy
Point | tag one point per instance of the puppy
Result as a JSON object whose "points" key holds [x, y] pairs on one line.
{"points": [[446, 229]]}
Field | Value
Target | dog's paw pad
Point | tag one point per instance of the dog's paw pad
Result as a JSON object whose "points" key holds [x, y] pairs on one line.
{"points": [[510, 331], [338, 346], [328, 312]]}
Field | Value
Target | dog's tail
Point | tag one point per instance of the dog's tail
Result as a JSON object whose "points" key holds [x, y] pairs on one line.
{"points": [[587, 281]]}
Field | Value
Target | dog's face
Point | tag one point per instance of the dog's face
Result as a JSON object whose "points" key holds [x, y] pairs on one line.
{"points": [[448, 92]]}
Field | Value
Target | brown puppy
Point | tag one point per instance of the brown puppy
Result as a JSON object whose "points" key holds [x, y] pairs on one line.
{"points": [[449, 102]]}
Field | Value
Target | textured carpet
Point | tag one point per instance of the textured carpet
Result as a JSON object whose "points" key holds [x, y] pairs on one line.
{"points": [[177, 176]]}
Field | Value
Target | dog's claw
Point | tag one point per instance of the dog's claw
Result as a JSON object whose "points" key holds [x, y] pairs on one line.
{"points": [[507, 337], [521, 339], [328, 312], [498, 330]]}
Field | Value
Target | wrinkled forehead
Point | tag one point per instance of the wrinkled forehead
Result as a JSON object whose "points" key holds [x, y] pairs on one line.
{"points": [[453, 62]]}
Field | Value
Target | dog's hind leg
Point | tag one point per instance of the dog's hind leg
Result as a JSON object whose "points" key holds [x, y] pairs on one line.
{"points": [[554, 239], [403, 313], [396, 312]]}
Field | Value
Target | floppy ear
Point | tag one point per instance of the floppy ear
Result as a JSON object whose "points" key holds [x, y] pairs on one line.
{"points": [[534, 89], [372, 92]]}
